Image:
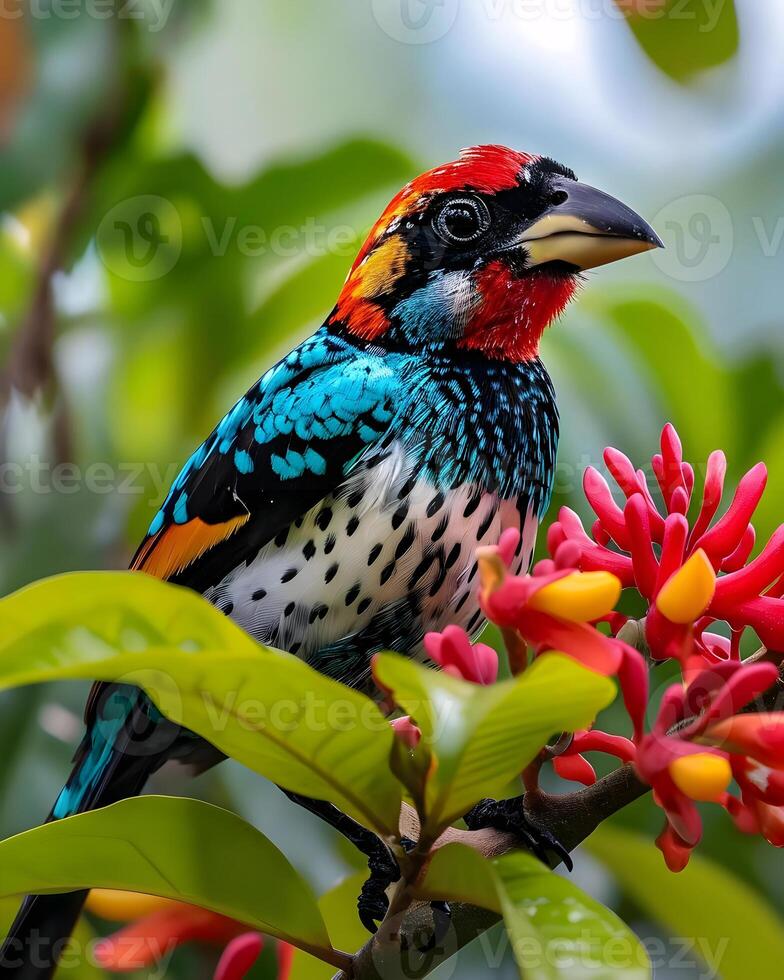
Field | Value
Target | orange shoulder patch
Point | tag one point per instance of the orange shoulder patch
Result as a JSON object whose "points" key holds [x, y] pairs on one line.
{"points": [[177, 546]]}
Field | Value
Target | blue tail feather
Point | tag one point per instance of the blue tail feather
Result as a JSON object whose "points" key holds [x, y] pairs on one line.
{"points": [[126, 741]]}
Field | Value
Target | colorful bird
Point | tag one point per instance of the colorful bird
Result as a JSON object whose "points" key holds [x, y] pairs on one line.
{"points": [[336, 509]]}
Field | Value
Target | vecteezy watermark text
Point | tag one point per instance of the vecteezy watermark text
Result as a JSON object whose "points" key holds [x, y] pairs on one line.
{"points": [[141, 238], [426, 21], [150, 14], [39, 476]]}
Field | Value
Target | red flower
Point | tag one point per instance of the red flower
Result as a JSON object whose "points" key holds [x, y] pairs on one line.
{"points": [[555, 608], [159, 926], [147, 940], [571, 764], [693, 575], [453, 651], [239, 956], [697, 745], [406, 731]]}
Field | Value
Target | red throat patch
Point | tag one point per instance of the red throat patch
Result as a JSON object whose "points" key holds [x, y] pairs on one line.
{"points": [[512, 313]]}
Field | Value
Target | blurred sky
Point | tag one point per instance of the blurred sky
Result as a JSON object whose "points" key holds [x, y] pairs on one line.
{"points": [[562, 77]]}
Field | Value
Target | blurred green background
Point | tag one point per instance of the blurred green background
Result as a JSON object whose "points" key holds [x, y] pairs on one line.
{"points": [[183, 184]]}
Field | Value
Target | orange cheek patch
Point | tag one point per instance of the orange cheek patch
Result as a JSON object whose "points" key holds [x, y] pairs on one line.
{"points": [[381, 270], [374, 277]]}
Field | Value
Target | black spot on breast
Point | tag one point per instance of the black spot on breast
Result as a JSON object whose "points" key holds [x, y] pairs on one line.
{"points": [[329, 544], [258, 595], [281, 537], [352, 593], [375, 551], [309, 550], [228, 609], [323, 518], [331, 572], [421, 569], [473, 622], [289, 609], [400, 515], [363, 605], [407, 487], [438, 581], [319, 611], [386, 572], [406, 541], [453, 555], [441, 529], [462, 601], [355, 498], [473, 503], [435, 505], [294, 648], [352, 525], [484, 527], [288, 575]]}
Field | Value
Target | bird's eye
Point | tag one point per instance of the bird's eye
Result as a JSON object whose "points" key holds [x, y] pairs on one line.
{"points": [[461, 220]]}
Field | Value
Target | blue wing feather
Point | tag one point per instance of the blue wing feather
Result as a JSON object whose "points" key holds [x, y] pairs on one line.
{"points": [[285, 445]]}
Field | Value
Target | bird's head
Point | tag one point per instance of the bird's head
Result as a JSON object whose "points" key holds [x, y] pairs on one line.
{"points": [[483, 253]]}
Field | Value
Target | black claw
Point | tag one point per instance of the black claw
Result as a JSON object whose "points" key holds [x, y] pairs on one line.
{"points": [[509, 816], [373, 903]]}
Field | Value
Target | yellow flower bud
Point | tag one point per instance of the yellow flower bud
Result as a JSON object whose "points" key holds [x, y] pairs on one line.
{"points": [[579, 597], [702, 776], [687, 594]]}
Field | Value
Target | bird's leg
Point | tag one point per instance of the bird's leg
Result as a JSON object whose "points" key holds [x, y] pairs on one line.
{"points": [[382, 864], [510, 816]]}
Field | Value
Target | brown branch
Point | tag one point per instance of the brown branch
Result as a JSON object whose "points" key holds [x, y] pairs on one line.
{"points": [[30, 365]]}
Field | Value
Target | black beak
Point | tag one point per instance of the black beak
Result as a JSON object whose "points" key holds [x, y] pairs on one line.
{"points": [[586, 228]]}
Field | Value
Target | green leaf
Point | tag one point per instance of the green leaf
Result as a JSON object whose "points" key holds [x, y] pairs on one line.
{"points": [[767, 517], [734, 929], [176, 848], [684, 37], [692, 386], [481, 737], [262, 707], [557, 932], [299, 301], [338, 907]]}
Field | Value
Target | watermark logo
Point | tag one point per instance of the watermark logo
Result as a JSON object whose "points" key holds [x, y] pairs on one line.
{"points": [[415, 21], [140, 239], [699, 233]]}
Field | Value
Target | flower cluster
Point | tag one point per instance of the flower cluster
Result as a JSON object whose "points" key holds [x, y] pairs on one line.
{"points": [[700, 741], [692, 574], [702, 591]]}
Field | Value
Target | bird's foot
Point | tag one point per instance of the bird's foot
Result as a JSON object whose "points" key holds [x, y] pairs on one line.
{"points": [[510, 816], [373, 903]]}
